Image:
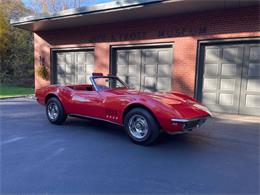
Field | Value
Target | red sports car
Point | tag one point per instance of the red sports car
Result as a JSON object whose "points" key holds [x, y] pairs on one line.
{"points": [[143, 114]]}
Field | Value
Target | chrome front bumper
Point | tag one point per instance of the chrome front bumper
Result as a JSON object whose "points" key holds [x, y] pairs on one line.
{"points": [[189, 124]]}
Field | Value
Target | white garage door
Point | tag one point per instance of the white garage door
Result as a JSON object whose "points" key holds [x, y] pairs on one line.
{"points": [[231, 79], [148, 69], [73, 67]]}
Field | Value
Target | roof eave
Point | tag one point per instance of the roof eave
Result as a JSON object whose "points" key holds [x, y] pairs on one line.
{"points": [[99, 8]]}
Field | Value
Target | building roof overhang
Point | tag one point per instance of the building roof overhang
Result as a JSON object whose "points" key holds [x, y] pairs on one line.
{"points": [[119, 11]]}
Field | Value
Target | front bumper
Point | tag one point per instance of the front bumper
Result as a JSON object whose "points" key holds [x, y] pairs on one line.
{"points": [[189, 124]]}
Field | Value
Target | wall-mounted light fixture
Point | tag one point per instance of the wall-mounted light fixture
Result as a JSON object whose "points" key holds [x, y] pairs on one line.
{"points": [[42, 60]]}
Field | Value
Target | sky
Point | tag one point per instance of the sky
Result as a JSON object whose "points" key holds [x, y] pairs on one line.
{"points": [[27, 3]]}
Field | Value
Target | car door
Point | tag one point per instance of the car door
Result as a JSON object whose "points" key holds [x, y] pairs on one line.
{"points": [[86, 103]]}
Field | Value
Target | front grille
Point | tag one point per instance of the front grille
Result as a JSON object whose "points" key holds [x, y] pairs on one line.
{"points": [[190, 125], [193, 124]]}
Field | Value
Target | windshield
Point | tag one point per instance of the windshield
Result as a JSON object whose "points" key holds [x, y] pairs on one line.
{"points": [[104, 83]]}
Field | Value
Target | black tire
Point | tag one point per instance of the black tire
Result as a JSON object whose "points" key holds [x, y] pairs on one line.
{"points": [[146, 120], [58, 109]]}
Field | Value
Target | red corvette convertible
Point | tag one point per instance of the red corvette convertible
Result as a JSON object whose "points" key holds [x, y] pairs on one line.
{"points": [[143, 114]]}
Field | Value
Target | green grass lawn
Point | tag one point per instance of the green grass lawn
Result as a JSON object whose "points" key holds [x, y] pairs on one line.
{"points": [[13, 91]]}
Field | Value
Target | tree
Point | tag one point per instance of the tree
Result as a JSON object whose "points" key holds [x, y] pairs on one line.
{"points": [[16, 50], [3, 31], [16, 45], [50, 6]]}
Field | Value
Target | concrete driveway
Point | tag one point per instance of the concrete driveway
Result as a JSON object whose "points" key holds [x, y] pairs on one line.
{"points": [[94, 157]]}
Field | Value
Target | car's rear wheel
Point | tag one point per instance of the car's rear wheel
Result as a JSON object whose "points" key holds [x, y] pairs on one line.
{"points": [[55, 111], [141, 126]]}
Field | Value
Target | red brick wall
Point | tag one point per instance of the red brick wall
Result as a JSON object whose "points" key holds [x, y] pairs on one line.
{"points": [[184, 31]]}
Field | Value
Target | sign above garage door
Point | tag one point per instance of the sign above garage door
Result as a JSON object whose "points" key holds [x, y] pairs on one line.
{"points": [[72, 67], [231, 79], [144, 68]]}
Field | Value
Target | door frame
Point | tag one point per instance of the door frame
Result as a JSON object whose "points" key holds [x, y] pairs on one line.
{"points": [[200, 58], [114, 48], [53, 60]]}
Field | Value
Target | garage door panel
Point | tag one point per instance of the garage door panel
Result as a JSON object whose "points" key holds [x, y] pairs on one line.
{"points": [[90, 58], [211, 69], [134, 57], [163, 70], [150, 57], [231, 54], [212, 55], [68, 79], [149, 83], [145, 68], [150, 70], [253, 101], [210, 84], [122, 58], [68, 58], [229, 69], [73, 67], [157, 70], [227, 84], [90, 69], [69, 69], [80, 58], [61, 58], [61, 78], [164, 56], [254, 53], [210, 98], [253, 85], [250, 88], [132, 81], [164, 84], [122, 70], [61, 68], [231, 78], [81, 69], [81, 79], [133, 69], [221, 79], [128, 65], [254, 70], [226, 99], [61, 63]]}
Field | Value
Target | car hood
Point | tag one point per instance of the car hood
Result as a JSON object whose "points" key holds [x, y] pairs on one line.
{"points": [[179, 102], [165, 97], [186, 106]]}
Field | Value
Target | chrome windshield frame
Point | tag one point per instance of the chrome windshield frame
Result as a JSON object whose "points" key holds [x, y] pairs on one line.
{"points": [[92, 80]]}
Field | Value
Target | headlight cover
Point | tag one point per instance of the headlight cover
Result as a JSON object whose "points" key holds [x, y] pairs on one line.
{"points": [[201, 107]]}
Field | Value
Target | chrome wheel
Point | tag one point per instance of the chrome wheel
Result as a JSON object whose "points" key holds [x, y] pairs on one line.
{"points": [[53, 111], [138, 126]]}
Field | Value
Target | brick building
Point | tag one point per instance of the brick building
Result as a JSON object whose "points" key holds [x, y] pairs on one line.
{"points": [[207, 49]]}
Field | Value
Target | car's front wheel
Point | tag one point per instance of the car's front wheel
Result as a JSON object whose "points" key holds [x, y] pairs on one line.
{"points": [[55, 111], [141, 126]]}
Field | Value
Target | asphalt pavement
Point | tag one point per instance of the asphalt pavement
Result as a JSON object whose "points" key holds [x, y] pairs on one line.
{"points": [[90, 157]]}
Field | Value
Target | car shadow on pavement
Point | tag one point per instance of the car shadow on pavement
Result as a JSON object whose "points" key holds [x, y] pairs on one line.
{"points": [[118, 131], [96, 125], [215, 132]]}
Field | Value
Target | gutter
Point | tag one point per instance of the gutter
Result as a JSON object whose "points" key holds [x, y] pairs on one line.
{"points": [[99, 8]]}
